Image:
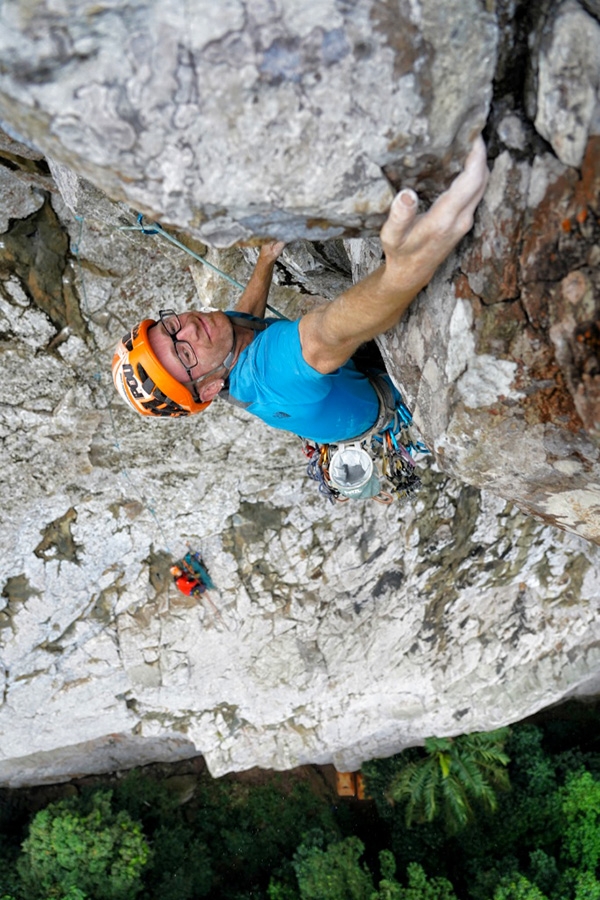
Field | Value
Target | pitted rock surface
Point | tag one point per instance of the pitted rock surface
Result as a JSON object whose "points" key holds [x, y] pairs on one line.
{"points": [[335, 633], [509, 400], [250, 119]]}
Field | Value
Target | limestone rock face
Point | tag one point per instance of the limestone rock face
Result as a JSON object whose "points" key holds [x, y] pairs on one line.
{"points": [[568, 80], [510, 398], [240, 119], [334, 633]]}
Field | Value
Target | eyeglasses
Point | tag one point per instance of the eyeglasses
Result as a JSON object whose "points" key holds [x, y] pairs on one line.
{"points": [[185, 353]]}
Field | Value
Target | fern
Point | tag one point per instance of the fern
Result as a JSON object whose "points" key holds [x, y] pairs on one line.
{"points": [[453, 778]]}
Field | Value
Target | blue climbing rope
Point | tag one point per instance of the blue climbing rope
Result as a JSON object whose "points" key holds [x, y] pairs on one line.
{"points": [[156, 228]]}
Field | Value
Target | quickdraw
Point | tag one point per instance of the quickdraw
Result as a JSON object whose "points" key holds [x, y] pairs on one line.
{"points": [[318, 456], [391, 451]]}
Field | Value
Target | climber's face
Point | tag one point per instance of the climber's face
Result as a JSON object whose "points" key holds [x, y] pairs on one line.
{"points": [[197, 347]]}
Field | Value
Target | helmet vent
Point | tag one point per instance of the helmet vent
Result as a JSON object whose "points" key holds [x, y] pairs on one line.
{"points": [[147, 382]]}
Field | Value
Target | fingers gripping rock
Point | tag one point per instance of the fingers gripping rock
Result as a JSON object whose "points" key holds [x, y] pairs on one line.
{"points": [[401, 218]]}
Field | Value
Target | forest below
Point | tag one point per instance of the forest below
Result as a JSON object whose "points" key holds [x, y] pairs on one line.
{"points": [[509, 815]]}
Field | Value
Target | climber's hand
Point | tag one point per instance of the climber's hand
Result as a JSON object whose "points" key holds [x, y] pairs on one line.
{"points": [[254, 298], [415, 245], [272, 250]]}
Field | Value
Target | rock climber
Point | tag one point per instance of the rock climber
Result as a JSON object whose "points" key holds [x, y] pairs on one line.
{"points": [[299, 375]]}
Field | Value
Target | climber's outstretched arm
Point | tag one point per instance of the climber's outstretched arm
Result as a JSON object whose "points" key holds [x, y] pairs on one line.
{"points": [[414, 247], [254, 298]]}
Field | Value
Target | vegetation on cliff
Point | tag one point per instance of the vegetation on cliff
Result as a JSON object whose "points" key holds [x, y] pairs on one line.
{"points": [[285, 838]]}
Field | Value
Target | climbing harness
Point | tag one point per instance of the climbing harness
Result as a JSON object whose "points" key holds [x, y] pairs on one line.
{"points": [[379, 465], [156, 228]]}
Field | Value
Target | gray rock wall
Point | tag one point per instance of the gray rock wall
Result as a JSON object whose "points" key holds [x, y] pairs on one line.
{"points": [[335, 633], [240, 119], [510, 399]]}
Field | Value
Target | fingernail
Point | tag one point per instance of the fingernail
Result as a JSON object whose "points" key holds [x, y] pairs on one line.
{"points": [[408, 198]]}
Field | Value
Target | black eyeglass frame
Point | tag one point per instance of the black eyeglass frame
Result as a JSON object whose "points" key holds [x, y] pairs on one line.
{"points": [[165, 315], [227, 364]]}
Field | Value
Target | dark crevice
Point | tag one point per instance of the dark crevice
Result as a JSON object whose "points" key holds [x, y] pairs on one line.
{"points": [[514, 76], [17, 163], [36, 252]]}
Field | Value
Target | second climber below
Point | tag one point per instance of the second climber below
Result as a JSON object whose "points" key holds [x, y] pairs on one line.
{"points": [[299, 376]]}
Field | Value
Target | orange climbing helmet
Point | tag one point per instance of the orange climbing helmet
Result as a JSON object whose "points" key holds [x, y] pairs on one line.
{"points": [[144, 383]]}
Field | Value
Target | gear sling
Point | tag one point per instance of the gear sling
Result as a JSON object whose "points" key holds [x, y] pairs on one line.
{"points": [[355, 468]]}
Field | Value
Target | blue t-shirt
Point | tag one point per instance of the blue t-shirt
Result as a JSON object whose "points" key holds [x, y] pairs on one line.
{"points": [[272, 380]]}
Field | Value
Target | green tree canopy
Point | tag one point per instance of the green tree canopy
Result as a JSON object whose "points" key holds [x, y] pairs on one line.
{"points": [[73, 853], [337, 873], [419, 886], [518, 887], [581, 809], [334, 873]]}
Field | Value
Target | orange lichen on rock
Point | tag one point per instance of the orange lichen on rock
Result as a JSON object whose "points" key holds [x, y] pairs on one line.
{"points": [[588, 189], [553, 404], [462, 288]]}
